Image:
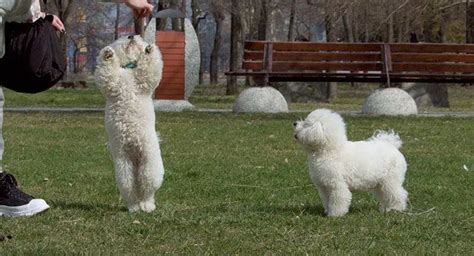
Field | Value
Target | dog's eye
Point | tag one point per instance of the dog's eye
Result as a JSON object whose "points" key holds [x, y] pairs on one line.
{"points": [[295, 124]]}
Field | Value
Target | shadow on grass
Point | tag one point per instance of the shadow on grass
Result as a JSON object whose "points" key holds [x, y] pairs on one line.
{"points": [[308, 210], [88, 206], [316, 209]]}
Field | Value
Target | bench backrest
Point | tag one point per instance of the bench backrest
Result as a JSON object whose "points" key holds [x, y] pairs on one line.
{"points": [[296, 56], [432, 58], [354, 57]]}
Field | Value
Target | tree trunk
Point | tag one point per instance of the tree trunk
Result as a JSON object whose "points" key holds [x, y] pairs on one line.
{"points": [[331, 37], [291, 25], [176, 23], [470, 21], [443, 27], [235, 46], [214, 70], [390, 30], [348, 28], [263, 21], [366, 24], [117, 21], [406, 26], [161, 23], [197, 17]]}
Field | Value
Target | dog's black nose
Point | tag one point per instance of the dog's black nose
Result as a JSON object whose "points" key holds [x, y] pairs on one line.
{"points": [[131, 37], [295, 124]]}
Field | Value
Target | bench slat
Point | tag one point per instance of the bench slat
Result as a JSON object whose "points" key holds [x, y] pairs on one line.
{"points": [[305, 46], [357, 77], [432, 48], [314, 66], [315, 56], [328, 66], [430, 57], [432, 67], [252, 65]]}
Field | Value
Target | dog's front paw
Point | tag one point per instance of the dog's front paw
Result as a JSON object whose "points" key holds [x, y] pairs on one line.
{"points": [[336, 214], [107, 53], [149, 49], [133, 208], [147, 206]]}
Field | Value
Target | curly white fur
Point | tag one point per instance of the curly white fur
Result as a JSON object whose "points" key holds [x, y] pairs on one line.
{"points": [[338, 166], [128, 72]]}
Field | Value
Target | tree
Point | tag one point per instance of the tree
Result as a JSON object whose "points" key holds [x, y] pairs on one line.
{"points": [[219, 16], [198, 15], [235, 45], [469, 21], [330, 22], [291, 23], [263, 20]]}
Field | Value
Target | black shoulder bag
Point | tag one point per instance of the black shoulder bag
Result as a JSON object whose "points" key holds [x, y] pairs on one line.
{"points": [[33, 60]]}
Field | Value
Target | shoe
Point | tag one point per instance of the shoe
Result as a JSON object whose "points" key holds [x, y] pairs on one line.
{"points": [[14, 202]]}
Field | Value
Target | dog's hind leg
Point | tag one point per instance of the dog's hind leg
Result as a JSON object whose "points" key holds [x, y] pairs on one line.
{"points": [[392, 196], [390, 192], [126, 182], [150, 177]]}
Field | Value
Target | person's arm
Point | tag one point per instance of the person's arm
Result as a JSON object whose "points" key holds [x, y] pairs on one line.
{"points": [[36, 13], [141, 8]]}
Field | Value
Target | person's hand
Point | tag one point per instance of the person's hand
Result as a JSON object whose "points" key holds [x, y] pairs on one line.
{"points": [[58, 24], [141, 8]]}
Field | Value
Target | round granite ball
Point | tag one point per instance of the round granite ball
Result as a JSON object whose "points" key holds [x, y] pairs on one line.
{"points": [[260, 100], [192, 57], [390, 101]]}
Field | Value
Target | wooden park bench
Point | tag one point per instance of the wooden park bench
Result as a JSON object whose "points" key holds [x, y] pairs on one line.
{"points": [[357, 62]]}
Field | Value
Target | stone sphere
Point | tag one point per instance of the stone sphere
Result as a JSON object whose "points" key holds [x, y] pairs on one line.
{"points": [[260, 100], [192, 57], [390, 101], [172, 105]]}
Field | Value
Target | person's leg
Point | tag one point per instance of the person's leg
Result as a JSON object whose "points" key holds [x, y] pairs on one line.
{"points": [[2, 101], [13, 201]]}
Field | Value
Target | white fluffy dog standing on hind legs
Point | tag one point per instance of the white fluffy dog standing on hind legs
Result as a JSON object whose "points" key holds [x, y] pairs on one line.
{"points": [[338, 166], [128, 71]]}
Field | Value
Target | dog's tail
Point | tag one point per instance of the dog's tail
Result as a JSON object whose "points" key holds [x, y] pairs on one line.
{"points": [[387, 136]]}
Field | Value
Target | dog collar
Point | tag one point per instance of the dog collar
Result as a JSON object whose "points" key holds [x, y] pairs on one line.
{"points": [[130, 65]]}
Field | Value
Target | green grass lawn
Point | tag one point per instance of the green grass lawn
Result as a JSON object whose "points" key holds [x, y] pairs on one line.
{"points": [[213, 96], [234, 184], [349, 99]]}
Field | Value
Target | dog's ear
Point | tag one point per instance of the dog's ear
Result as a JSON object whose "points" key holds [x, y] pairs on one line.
{"points": [[318, 128], [107, 53]]}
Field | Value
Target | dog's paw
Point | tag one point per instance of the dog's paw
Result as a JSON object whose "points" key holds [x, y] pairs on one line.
{"points": [[133, 208], [336, 214], [107, 53], [400, 207], [149, 49], [147, 206]]}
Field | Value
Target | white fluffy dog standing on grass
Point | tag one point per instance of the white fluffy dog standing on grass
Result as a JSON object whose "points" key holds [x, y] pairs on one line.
{"points": [[128, 71], [338, 166]]}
